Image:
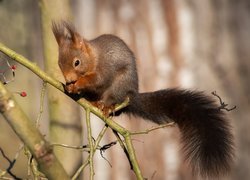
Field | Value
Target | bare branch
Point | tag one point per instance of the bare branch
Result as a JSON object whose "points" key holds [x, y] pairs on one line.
{"points": [[78, 172], [104, 148], [123, 147], [223, 105], [83, 147], [100, 136], [41, 103], [91, 145], [153, 128], [11, 162], [32, 165]]}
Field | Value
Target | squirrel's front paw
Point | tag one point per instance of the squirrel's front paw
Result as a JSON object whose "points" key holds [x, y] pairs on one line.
{"points": [[72, 89]]}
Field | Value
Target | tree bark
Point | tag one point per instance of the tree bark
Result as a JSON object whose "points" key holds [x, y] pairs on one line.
{"points": [[65, 120]]}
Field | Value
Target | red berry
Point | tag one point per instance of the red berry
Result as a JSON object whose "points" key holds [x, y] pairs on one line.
{"points": [[23, 94], [13, 67]]}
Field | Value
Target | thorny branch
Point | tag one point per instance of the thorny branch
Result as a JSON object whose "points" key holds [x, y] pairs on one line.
{"points": [[223, 105]]}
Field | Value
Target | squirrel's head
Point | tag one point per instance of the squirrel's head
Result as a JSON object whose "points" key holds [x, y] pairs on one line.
{"points": [[74, 52]]}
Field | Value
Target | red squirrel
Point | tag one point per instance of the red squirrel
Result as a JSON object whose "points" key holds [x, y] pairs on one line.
{"points": [[103, 71]]}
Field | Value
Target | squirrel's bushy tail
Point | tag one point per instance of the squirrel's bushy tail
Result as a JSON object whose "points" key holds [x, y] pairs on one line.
{"points": [[206, 134]]}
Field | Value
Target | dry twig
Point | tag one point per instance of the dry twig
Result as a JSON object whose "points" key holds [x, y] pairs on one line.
{"points": [[223, 105]]}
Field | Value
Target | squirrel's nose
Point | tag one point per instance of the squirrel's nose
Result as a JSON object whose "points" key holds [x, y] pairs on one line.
{"points": [[70, 78]]}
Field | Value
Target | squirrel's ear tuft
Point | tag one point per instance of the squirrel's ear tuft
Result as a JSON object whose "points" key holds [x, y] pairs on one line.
{"points": [[66, 32], [58, 31]]}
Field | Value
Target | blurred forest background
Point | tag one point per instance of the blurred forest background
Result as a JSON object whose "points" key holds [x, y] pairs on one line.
{"points": [[197, 44]]}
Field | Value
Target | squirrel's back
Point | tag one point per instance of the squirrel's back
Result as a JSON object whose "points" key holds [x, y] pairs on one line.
{"points": [[116, 58], [111, 46]]}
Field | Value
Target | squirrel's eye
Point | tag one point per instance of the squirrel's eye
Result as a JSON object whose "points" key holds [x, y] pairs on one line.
{"points": [[76, 62]]}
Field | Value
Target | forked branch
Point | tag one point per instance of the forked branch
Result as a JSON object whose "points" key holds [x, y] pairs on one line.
{"points": [[223, 105]]}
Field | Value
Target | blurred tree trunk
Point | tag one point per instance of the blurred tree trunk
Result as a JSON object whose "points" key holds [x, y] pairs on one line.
{"points": [[65, 121]]}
